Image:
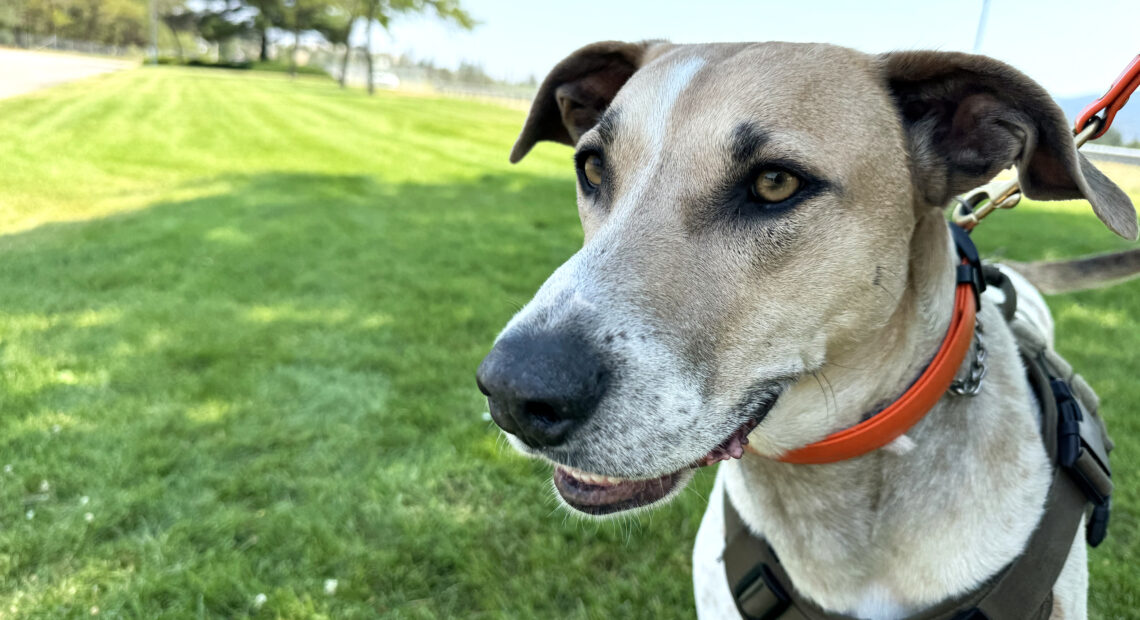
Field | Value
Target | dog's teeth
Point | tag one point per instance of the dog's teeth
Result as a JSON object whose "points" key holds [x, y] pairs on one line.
{"points": [[591, 478], [585, 476]]}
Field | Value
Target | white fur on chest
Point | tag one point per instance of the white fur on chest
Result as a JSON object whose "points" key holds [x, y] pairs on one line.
{"points": [[710, 585], [942, 534]]}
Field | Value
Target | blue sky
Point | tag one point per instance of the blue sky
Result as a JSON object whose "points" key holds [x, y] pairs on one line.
{"points": [[1043, 38]]}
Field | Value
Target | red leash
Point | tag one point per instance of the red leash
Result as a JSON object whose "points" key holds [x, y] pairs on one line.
{"points": [[1112, 101]]}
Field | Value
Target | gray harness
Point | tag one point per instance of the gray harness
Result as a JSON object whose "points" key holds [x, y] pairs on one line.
{"points": [[1077, 443]]}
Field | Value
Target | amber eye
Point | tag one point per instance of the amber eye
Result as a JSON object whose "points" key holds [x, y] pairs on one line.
{"points": [[592, 170], [774, 185]]}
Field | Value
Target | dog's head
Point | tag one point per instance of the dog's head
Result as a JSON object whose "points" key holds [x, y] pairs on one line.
{"points": [[750, 214]]}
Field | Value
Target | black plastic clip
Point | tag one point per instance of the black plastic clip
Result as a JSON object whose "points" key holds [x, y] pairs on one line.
{"points": [[1097, 527], [970, 271], [759, 595], [1081, 462], [1068, 423]]}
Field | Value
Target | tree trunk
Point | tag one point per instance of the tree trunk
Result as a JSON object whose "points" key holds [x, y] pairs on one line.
{"points": [[347, 50], [368, 45], [177, 44], [293, 56], [344, 65], [264, 54]]}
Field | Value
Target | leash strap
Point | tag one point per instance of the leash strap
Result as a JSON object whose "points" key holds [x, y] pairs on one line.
{"points": [[1112, 101]]}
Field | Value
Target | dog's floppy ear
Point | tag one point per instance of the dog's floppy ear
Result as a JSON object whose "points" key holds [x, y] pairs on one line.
{"points": [[578, 90], [968, 117]]}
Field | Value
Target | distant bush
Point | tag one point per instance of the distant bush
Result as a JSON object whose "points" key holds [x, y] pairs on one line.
{"points": [[283, 67], [273, 65], [221, 64]]}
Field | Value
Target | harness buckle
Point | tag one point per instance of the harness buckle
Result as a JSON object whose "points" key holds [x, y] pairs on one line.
{"points": [[970, 271], [1083, 459], [1068, 423], [1097, 527], [759, 595]]}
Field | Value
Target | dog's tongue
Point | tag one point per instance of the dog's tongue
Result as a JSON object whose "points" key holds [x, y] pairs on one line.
{"points": [[731, 448]]}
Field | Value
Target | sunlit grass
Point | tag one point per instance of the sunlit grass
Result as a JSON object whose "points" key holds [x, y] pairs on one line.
{"points": [[239, 323]]}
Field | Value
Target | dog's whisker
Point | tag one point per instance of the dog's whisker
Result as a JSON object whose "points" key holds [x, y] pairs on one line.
{"points": [[826, 404], [831, 389], [692, 489], [831, 363]]}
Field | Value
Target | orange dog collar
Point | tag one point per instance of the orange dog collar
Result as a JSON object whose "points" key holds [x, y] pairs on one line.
{"points": [[898, 417]]}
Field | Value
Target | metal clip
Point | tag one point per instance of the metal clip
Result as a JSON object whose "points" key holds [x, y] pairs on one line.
{"points": [[973, 206]]}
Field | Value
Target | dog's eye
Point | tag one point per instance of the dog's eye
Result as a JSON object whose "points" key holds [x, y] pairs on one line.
{"points": [[591, 167], [773, 185]]}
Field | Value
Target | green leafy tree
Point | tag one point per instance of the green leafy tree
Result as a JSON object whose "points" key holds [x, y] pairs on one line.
{"points": [[108, 22], [270, 14], [302, 16], [12, 18], [336, 26], [179, 20], [222, 20], [1112, 137], [382, 12]]}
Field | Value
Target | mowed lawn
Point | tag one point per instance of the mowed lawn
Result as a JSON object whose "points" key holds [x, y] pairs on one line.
{"points": [[239, 321]]}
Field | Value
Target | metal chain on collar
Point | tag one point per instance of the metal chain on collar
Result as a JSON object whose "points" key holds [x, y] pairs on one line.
{"points": [[972, 384]]}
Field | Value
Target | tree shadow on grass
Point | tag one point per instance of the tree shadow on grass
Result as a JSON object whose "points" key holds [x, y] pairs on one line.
{"points": [[300, 347]]}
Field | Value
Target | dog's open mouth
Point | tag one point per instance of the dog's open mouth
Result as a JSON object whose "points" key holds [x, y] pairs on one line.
{"points": [[601, 495]]}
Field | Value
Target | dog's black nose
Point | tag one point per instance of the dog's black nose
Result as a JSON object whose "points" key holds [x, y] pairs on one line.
{"points": [[540, 387]]}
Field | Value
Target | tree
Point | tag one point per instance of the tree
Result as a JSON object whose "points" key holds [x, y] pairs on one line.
{"points": [[127, 22], [382, 11], [109, 22], [221, 20], [1112, 137], [336, 26], [270, 14], [177, 19], [301, 16], [12, 18]]}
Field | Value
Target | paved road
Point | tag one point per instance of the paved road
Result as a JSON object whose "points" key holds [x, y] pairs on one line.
{"points": [[23, 71], [1116, 154]]}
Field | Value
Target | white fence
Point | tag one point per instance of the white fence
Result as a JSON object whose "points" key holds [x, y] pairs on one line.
{"points": [[1118, 154], [37, 42]]}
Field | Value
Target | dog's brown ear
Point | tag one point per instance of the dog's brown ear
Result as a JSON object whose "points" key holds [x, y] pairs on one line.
{"points": [[578, 90], [968, 117]]}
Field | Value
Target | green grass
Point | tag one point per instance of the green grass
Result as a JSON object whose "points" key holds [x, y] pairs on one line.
{"points": [[238, 328]]}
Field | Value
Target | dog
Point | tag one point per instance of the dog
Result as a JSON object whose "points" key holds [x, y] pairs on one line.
{"points": [[766, 262]]}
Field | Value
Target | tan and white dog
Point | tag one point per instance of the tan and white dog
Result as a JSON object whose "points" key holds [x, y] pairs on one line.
{"points": [[766, 261]]}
